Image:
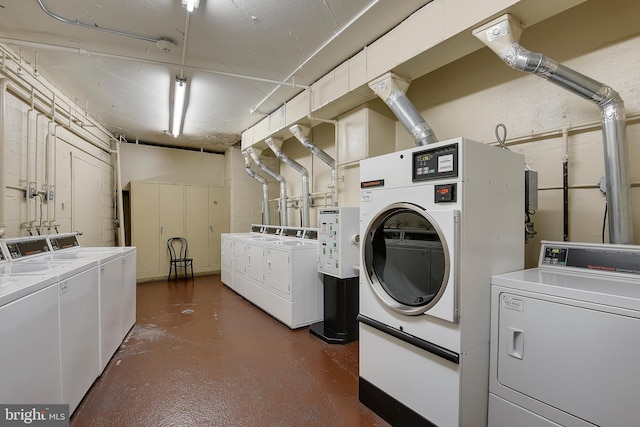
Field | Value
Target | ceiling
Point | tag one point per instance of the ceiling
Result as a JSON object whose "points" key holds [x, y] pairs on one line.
{"points": [[233, 53]]}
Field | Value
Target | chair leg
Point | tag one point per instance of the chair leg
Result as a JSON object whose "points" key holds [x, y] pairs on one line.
{"points": [[170, 268], [192, 281]]}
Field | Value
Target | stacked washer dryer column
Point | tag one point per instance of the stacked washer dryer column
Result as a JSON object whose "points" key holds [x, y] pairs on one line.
{"points": [[437, 222]]}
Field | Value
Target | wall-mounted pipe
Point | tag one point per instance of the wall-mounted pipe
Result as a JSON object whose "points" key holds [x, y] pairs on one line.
{"points": [[283, 185], [266, 215], [501, 35], [301, 135], [391, 89], [275, 147], [4, 83]]}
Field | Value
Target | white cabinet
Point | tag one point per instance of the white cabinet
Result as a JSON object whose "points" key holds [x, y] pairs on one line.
{"points": [[161, 211], [30, 356]]}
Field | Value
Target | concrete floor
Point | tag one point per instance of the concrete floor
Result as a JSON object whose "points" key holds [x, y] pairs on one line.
{"points": [[201, 355]]}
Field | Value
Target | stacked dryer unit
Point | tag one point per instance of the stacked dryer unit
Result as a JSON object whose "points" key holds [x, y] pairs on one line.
{"points": [[437, 221]]}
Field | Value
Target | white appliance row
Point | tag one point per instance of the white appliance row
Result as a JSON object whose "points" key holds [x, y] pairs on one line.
{"points": [[275, 268], [564, 339], [64, 311]]}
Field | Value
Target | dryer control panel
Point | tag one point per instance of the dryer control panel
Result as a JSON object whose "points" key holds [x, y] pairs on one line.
{"points": [[435, 163]]}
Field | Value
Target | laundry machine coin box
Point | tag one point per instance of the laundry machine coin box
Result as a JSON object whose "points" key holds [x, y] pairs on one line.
{"points": [[338, 251]]}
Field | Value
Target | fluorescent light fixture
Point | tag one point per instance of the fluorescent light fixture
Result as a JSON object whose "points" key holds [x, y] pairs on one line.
{"points": [[179, 95], [190, 5]]}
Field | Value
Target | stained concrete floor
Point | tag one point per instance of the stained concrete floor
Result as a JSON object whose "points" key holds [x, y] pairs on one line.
{"points": [[201, 355]]}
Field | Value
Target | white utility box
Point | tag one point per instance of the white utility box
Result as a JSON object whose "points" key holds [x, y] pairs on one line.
{"points": [[338, 249]]}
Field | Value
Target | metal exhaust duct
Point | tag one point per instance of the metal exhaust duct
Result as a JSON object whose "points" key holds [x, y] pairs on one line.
{"points": [[501, 35], [279, 178], [301, 135], [275, 147], [265, 187], [391, 89]]}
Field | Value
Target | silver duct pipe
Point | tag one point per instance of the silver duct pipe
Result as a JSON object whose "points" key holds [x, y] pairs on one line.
{"points": [[298, 132], [391, 89], [501, 35], [266, 218], [279, 178], [4, 83], [275, 147]]}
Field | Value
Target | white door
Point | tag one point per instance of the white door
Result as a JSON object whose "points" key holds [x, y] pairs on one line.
{"points": [[91, 212], [255, 262]]}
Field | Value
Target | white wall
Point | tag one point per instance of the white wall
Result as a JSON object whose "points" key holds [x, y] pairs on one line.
{"points": [[50, 158], [167, 165]]}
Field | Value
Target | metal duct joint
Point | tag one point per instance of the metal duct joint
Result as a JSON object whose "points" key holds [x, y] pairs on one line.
{"points": [[275, 147], [299, 133], [501, 35], [279, 178], [391, 89], [265, 187]]}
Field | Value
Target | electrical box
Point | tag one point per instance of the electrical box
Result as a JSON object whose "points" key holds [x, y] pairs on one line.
{"points": [[338, 241]]}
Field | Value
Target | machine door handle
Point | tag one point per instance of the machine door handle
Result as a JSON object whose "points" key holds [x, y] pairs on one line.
{"points": [[516, 343]]}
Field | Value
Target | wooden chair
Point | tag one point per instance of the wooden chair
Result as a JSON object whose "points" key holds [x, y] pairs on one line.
{"points": [[178, 248]]}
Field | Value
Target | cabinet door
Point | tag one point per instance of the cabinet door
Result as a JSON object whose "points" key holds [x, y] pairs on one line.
{"points": [[171, 211], [197, 225], [218, 222], [145, 226]]}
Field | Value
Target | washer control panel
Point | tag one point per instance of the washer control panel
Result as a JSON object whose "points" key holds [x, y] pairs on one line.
{"points": [[591, 256], [435, 163]]}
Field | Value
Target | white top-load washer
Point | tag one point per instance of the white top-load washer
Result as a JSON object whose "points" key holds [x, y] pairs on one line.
{"points": [[29, 333], [111, 287], [565, 339], [78, 310]]}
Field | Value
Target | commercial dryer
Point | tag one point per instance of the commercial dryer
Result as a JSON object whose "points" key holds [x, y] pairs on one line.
{"points": [[437, 222]]}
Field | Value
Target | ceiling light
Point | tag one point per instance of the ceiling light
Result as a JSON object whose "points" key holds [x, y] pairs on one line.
{"points": [[190, 5], [179, 95]]}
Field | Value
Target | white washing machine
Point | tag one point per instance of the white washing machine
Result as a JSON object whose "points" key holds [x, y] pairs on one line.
{"points": [[29, 333], [112, 285], [78, 310], [565, 339], [437, 222]]}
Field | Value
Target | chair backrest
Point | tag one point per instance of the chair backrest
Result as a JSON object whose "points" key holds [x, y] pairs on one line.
{"points": [[178, 247]]}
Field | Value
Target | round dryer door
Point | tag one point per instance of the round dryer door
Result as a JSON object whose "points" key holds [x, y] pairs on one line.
{"points": [[406, 258]]}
